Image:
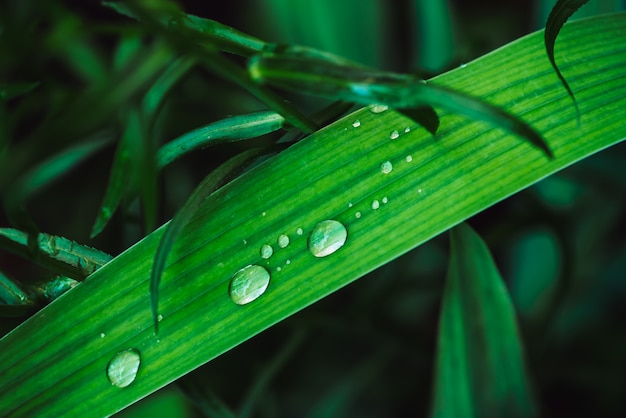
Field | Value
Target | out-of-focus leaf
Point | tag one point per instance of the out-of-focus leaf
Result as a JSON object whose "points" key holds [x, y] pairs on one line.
{"points": [[10, 91], [561, 11], [217, 178], [11, 292], [325, 78], [57, 254], [480, 368]]}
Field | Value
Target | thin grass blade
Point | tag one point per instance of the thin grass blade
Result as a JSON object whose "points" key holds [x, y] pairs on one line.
{"points": [[480, 368], [365, 86], [561, 11], [211, 183]]}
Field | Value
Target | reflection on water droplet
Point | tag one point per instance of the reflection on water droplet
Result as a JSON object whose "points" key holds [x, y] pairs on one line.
{"points": [[327, 237], [123, 368], [409, 158], [248, 284], [283, 241], [386, 167], [394, 134], [385, 200], [266, 251], [378, 108], [375, 204], [357, 215], [356, 123], [299, 231]]}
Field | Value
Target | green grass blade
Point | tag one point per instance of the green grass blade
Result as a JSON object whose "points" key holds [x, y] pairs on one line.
{"points": [[561, 11], [55, 362], [480, 369], [336, 81], [57, 254], [212, 182]]}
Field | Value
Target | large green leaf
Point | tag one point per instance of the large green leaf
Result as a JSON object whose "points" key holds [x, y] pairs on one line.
{"points": [[480, 369], [390, 194]]}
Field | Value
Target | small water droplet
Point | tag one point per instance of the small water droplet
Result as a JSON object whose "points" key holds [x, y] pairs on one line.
{"points": [[409, 158], [299, 231], [288, 262], [385, 200], [375, 204], [350, 204], [394, 134], [378, 108], [407, 129], [463, 65], [248, 284], [356, 123], [278, 268], [419, 190], [123, 367], [283, 241], [102, 335], [263, 213], [386, 167], [327, 237], [266, 251], [160, 318], [245, 242], [357, 215]]}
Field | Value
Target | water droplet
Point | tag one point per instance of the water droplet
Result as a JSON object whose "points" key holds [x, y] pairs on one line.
{"points": [[283, 241], [160, 318], [350, 204], [102, 335], [385, 200], [375, 204], [288, 262], [378, 108], [419, 190], [394, 134], [327, 237], [357, 215], [266, 251], [409, 158], [463, 65], [407, 129], [245, 242], [299, 231], [263, 213], [386, 167], [279, 268], [356, 123], [123, 368], [248, 284]]}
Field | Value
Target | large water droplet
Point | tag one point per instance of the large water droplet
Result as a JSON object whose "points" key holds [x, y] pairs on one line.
{"points": [[327, 237], [266, 251], [386, 167], [283, 241], [378, 108], [248, 284], [123, 368]]}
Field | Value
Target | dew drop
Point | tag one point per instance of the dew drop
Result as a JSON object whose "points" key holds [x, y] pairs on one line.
{"points": [[160, 318], [386, 167], [378, 108], [409, 158], [407, 129], [263, 213], [245, 242], [102, 335], [283, 241], [248, 284], [299, 231], [394, 134], [357, 215], [279, 268], [266, 251], [375, 204], [463, 65], [356, 123], [288, 262], [123, 367], [327, 237], [385, 200]]}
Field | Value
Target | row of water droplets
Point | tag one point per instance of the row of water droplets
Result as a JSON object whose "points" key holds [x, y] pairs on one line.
{"points": [[250, 282]]}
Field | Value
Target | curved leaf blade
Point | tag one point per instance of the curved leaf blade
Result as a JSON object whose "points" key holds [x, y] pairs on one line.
{"points": [[480, 368], [561, 11]]}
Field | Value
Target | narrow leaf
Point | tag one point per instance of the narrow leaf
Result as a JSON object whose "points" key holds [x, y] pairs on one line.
{"points": [[365, 86], [57, 254], [480, 367], [11, 292], [212, 182], [561, 11]]}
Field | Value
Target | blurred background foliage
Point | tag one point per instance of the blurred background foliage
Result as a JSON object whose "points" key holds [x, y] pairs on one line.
{"points": [[73, 72]]}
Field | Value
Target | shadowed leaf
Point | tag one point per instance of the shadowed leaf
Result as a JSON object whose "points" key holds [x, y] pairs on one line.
{"points": [[561, 11], [480, 367]]}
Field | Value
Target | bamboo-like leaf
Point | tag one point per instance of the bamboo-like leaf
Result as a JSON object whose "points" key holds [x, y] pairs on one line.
{"points": [[330, 175], [480, 368], [561, 11], [324, 78], [57, 254], [11, 292], [212, 182]]}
